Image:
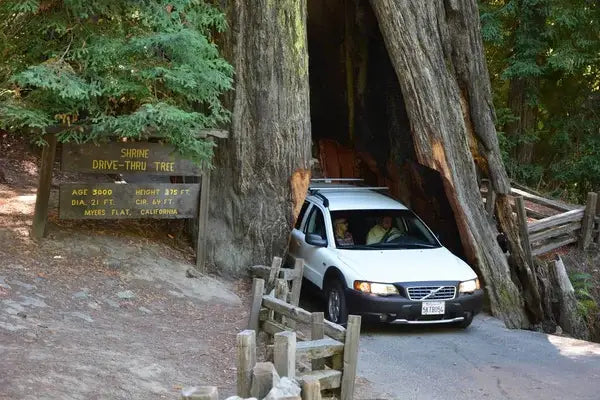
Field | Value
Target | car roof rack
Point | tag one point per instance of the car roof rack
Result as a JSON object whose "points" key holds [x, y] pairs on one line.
{"points": [[330, 180], [349, 189]]}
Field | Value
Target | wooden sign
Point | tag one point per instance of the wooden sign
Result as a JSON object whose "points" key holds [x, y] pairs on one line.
{"points": [[126, 157], [120, 201]]}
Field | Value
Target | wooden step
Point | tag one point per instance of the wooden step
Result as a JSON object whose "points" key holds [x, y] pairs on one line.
{"points": [[321, 348], [328, 378]]}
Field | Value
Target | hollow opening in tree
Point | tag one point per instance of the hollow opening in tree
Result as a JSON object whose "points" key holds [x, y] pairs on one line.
{"points": [[360, 128]]}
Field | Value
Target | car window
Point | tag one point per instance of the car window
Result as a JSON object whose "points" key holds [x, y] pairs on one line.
{"points": [[301, 215], [316, 223], [382, 229]]}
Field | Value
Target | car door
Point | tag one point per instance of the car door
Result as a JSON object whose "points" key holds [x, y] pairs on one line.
{"points": [[297, 242], [314, 257]]}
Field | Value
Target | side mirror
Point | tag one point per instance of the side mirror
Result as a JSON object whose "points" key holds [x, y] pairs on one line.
{"points": [[315, 240]]}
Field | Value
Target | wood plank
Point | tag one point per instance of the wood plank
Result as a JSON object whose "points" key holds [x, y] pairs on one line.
{"points": [[246, 358], [555, 204], [284, 355], [549, 246], [328, 379], [271, 327], [524, 233], [296, 313], [126, 157], [559, 219], [335, 331], [40, 214], [555, 231], [203, 221], [317, 331], [319, 348], [350, 357], [258, 286], [588, 220], [129, 200]]}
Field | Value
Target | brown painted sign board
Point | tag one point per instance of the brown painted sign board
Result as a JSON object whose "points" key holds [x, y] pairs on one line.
{"points": [[122, 201], [126, 157]]}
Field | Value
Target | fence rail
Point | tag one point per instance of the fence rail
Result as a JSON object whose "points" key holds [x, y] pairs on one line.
{"points": [[326, 358], [554, 225]]}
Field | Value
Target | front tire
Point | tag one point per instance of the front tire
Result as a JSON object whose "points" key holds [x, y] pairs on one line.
{"points": [[336, 309]]}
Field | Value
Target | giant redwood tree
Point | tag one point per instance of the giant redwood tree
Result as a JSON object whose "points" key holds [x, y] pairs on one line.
{"points": [[435, 49]]}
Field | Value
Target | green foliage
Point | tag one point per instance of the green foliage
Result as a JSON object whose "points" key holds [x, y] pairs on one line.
{"points": [[552, 47], [583, 285], [123, 68]]}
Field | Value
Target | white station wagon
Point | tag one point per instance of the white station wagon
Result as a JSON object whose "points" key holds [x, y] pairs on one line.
{"points": [[371, 255]]}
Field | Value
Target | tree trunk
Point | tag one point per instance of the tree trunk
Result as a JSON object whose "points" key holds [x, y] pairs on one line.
{"points": [[262, 171], [436, 50], [527, 117]]}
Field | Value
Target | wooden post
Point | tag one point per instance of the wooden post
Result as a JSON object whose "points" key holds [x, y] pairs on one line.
{"points": [[523, 228], [311, 388], [40, 216], [258, 286], [246, 359], [203, 221], [350, 356], [264, 378], [285, 354], [200, 393], [281, 293], [589, 215], [297, 282], [273, 274], [317, 331]]}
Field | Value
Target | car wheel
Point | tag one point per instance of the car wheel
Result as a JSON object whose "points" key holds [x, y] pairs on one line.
{"points": [[464, 324], [336, 310]]}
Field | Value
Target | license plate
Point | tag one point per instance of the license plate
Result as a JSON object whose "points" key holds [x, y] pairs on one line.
{"points": [[433, 308]]}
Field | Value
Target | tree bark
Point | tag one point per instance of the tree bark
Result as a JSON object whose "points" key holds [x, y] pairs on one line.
{"points": [[262, 171], [437, 53], [526, 117]]}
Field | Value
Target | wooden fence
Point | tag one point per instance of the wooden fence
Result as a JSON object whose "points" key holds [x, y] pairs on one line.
{"points": [[326, 357], [562, 224]]}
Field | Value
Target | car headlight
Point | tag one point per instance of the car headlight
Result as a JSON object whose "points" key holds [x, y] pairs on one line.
{"points": [[469, 286], [380, 289]]}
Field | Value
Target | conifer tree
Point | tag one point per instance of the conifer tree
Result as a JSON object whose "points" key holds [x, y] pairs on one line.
{"points": [[123, 68]]}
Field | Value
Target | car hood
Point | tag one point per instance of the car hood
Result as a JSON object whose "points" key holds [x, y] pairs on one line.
{"points": [[406, 265]]}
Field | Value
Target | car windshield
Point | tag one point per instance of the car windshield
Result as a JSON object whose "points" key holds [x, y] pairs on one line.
{"points": [[380, 229]]}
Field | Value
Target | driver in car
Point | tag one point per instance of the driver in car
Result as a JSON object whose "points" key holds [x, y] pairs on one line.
{"points": [[383, 231]]}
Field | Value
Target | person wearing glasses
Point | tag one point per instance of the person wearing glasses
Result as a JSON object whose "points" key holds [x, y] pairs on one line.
{"points": [[343, 237]]}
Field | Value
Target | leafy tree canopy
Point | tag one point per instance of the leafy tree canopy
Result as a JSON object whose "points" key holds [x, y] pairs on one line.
{"points": [[128, 68], [553, 47]]}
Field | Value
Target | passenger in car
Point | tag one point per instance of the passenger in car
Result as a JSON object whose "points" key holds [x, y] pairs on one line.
{"points": [[342, 236], [382, 231]]}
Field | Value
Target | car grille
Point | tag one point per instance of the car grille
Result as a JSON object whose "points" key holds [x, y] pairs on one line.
{"points": [[444, 292]]}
